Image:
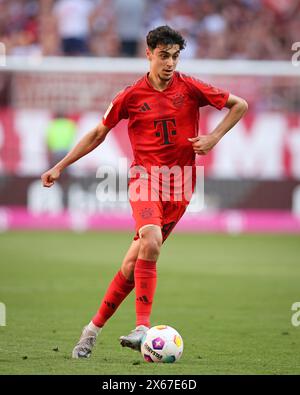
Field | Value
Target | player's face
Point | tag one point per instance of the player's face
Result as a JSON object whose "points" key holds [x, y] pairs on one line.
{"points": [[163, 60]]}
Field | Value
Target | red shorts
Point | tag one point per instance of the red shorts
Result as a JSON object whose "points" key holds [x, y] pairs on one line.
{"points": [[155, 211]]}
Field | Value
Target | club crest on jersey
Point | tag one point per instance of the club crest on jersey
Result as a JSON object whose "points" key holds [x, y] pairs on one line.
{"points": [[178, 100], [147, 212]]}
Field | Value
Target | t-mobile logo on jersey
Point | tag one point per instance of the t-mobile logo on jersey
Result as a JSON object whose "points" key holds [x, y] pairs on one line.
{"points": [[164, 128], [2, 314]]}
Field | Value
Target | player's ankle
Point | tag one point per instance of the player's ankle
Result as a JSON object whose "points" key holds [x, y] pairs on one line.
{"points": [[94, 328]]}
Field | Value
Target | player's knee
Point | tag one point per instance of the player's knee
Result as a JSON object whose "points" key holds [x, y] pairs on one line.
{"points": [[150, 250], [151, 241]]}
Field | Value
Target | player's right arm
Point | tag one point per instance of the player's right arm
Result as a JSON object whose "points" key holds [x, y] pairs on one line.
{"points": [[87, 144], [115, 112]]}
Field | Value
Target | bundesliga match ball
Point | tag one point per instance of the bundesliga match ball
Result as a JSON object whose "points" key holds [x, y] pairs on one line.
{"points": [[162, 343]]}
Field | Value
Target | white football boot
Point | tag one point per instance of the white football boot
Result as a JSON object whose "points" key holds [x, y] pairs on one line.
{"points": [[134, 339], [83, 348]]}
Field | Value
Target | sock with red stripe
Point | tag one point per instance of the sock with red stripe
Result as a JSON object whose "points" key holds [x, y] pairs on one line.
{"points": [[117, 291], [145, 285]]}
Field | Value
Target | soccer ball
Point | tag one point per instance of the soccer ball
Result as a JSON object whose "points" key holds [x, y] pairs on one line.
{"points": [[162, 343]]}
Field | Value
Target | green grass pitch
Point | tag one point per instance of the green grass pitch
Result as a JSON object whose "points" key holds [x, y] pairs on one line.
{"points": [[230, 298]]}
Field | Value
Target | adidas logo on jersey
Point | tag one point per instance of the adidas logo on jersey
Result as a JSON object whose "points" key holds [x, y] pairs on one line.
{"points": [[144, 107]]}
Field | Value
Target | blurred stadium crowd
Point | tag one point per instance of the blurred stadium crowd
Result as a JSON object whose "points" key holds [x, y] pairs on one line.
{"points": [[236, 29]]}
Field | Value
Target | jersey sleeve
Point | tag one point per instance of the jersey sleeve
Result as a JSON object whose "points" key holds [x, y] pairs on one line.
{"points": [[116, 111], [207, 94]]}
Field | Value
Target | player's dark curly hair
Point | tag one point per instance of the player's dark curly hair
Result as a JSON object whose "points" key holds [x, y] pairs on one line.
{"points": [[166, 36]]}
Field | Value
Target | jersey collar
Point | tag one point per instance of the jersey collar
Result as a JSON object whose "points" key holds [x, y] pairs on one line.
{"points": [[156, 90]]}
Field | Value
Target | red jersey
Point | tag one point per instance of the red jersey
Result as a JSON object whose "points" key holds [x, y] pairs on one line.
{"points": [[160, 122]]}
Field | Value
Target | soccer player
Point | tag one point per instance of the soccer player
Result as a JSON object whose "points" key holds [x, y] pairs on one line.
{"points": [[163, 112]]}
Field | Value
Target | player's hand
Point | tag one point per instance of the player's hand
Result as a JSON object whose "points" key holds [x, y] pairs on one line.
{"points": [[50, 176], [203, 144]]}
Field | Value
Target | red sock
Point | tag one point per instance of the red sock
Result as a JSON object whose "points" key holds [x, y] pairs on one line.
{"points": [[117, 291], [145, 284]]}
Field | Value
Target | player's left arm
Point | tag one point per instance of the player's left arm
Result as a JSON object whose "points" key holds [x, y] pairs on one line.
{"points": [[237, 108]]}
